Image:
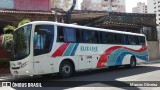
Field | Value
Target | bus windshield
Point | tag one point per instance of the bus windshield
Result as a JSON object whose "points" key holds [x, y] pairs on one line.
{"points": [[21, 46]]}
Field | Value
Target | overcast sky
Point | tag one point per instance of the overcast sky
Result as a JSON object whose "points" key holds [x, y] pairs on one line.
{"points": [[129, 4]]}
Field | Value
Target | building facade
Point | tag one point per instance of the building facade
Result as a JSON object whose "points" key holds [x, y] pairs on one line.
{"points": [[154, 7], [6, 4], [43, 5], [140, 8], [104, 5], [59, 4]]}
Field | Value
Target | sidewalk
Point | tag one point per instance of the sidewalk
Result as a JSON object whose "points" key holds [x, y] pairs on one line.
{"points": [[152, 61]]}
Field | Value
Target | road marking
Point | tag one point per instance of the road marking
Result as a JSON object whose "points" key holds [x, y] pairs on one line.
{"points": [[6, 88]]}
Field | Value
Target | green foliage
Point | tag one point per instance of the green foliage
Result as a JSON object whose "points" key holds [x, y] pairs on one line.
{"points": [[8, 37], [24, 21], [7, 43], [9, 28]]}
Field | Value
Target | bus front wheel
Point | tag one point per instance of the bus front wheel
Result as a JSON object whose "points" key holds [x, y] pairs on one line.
{"points": [[66, 69]]}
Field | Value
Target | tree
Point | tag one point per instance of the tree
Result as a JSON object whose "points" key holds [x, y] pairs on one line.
{"points": [[8, 34], [24, 21]]}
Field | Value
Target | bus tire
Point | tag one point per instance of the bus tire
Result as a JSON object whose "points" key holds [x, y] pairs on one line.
{"points": [[66, 69], [132, 62]]}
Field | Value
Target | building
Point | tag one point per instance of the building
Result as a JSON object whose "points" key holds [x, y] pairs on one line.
{"points": [[154, 7], [130, 22], [59, 4], [140, 8], [104, 5], [42, 5], [6, 4]]}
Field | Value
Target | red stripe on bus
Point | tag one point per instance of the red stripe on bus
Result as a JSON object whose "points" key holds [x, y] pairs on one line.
{"points": [[60, 50]]}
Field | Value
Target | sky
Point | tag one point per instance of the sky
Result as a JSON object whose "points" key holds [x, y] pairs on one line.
{"points": [[129, 4]]}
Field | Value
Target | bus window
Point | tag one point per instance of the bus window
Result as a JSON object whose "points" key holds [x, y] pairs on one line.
{"points": [[126, 39], [69, 35], [78, 36], [107, 38], [133, 40], [60, 34], [119, 39], [141, 40], [43, 39], [89, 36]]}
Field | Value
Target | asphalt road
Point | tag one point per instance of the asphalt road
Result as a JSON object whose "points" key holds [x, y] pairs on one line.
{"points": [[110, 78]]}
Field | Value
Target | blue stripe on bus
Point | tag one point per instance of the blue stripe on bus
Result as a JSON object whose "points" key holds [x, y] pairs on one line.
{"points": [[117, 56], [69, 49], [74, 49]]}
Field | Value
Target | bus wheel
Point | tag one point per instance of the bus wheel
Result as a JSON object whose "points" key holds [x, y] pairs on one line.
{"points": [[132, 62], [66, 69]]}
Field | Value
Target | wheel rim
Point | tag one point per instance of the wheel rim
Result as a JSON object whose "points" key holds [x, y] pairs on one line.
{"points": [[66, 69], [133, 63]]}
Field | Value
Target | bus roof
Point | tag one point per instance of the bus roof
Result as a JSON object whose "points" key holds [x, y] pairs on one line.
{"points": [[83, 27]]}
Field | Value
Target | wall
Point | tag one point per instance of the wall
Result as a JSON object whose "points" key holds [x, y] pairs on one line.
{"points": [[43, 5], [150, 6], [6, 4], [154, 51]]}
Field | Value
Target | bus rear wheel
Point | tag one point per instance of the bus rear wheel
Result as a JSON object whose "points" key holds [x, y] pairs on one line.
{"points": [[132, 62], [66, 69]]}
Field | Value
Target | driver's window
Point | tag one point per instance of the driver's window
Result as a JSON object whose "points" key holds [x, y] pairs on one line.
{"points": [[43, 39]]}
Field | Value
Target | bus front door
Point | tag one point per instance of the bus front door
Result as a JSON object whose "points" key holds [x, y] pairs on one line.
{"points": [[42, 64]]}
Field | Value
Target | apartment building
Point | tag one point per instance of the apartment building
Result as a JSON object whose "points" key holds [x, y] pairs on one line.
{"points": [[140, 8], [60, 3], [104, 5], [154, 7]]}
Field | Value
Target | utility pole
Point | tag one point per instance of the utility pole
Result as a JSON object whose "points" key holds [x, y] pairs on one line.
{"points": [[55, 4], [69, 11]]}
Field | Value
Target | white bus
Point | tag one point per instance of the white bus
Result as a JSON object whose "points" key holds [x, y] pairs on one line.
{"points": [[44, 47]]}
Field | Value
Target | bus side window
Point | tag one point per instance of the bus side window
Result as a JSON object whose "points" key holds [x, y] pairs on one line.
{"points": [[78, 36], [127, 40], [141, 40], [89, 36], [133, 40], [69, 35], [119, 39], [104, 38], [60, 34]]}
